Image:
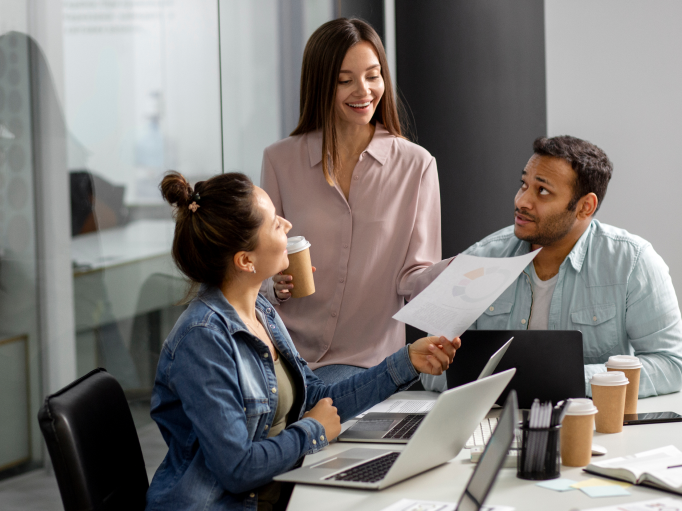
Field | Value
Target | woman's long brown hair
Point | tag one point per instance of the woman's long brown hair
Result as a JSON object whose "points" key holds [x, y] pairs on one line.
{"points": [[322, 59]]}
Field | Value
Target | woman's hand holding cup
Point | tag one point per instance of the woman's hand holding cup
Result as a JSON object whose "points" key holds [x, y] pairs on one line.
{"points": [[433, 355], [284, 284]]}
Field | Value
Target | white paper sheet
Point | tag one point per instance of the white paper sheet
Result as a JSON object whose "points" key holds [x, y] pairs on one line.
{"points": [[664, 504], [459, 295], [401, 406], [430, 505]]}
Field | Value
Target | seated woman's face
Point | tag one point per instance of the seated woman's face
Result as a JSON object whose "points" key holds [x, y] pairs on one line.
{"points": [[270, 256]]}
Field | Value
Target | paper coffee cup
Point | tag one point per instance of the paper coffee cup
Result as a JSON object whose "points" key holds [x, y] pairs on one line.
{"points": [[631, 367], [300, 267], [608, 395], [576, 433]]}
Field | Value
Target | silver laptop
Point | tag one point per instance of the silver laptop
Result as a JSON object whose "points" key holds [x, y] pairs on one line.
{"points": [[457, 412], [398, 428]]}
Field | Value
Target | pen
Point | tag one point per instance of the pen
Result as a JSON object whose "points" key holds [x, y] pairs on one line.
{"points": [[675, 466]]}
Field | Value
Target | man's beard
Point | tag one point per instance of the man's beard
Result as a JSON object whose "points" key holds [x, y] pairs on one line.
{"points": [[551, 229]]}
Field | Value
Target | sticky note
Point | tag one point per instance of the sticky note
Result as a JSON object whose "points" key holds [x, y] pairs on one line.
{"points": [[600, 482], [558, 484], [604, 491]]}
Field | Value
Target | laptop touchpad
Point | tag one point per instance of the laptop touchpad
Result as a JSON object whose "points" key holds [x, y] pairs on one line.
{"points": [[336, 463], [380, 425]]}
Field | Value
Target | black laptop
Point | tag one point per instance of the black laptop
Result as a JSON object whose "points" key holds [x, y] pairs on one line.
{"points": [[549, 363]]}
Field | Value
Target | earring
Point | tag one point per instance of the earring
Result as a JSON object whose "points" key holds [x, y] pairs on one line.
{"points": [[253, 269]]}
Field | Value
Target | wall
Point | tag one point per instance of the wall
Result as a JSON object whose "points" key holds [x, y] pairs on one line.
{"points": [[614, 77]]}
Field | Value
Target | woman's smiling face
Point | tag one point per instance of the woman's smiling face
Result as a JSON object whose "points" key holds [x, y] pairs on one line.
{"points": [[360, 85]]}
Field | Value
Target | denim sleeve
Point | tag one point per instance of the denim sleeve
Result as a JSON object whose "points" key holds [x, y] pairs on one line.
{"points": [[204, 376], [653, 325], [356, 394]]}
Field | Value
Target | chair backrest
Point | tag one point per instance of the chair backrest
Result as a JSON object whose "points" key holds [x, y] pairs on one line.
{"points": [[95, 451]]}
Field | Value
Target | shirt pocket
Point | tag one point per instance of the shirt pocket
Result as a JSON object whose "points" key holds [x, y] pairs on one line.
{"points": [[495, 317], [598, 326], [255, 409]]}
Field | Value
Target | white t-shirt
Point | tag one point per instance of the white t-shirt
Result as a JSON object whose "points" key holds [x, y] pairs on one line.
{"points": [[542, 299]]}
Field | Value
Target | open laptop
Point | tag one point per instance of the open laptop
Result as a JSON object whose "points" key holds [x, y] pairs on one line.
{"points": [[398, 428], [440, 438], [492, 459], [549, 363]]}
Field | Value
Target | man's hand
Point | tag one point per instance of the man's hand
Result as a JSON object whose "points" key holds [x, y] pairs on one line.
{"points": [[326, 414], [433, 355]]}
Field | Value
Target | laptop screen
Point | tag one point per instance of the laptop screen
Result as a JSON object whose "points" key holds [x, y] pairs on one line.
{"points": [[492, 460]]}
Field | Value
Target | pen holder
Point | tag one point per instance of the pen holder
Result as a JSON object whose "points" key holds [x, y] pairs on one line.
{"points": [[539, 456]]}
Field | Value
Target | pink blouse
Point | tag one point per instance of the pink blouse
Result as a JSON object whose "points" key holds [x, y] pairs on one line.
{"points": [[369, 251]]}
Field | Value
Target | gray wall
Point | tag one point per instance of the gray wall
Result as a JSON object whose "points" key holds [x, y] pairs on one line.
{"points": [[473, 75], [614, 77]]}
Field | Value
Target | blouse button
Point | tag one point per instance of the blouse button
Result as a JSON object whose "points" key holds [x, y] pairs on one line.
{"points": [[333, 314], [274, 390], [594, 318], [314, 442], [523, 321], [345, 245], [356, 178], [492, 308], [341, 279]]}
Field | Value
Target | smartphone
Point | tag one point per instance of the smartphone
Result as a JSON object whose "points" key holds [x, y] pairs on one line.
{"points": [[650, 418]]}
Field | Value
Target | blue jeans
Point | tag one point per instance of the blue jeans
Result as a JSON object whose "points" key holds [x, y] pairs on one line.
{"points": [[337, 372]]}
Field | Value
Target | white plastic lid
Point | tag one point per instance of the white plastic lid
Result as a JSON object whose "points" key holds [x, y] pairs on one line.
{"points": [[297, 244], [609, 379], [581, 406], [623, 362]]}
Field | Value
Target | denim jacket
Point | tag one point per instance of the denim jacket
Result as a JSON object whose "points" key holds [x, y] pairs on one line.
{"points": [[614, 288], [215, 398]]}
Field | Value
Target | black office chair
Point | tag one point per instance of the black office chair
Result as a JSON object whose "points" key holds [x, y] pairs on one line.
{"points": [[93, 445]]}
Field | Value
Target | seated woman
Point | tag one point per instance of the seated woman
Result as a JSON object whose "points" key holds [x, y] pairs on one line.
{"points": [[235, 402]]}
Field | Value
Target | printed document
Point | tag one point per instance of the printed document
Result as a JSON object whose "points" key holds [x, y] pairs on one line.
{"points": [[459, 295]]}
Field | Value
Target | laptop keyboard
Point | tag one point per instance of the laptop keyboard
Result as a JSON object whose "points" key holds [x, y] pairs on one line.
{"points": [[368, 472], [483, 433], [406, 427]]}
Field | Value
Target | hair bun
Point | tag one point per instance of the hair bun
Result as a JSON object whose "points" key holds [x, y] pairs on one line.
{"points": [[175, 189]]}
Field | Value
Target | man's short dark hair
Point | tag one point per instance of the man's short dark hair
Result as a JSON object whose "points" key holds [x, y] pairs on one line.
{"points": [[592, 167]]}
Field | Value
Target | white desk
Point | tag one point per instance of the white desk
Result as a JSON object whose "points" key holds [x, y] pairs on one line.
{"points": [[445, 483]]}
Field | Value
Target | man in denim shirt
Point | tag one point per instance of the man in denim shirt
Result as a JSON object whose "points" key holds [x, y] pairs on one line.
{"points": [[609, 284]]}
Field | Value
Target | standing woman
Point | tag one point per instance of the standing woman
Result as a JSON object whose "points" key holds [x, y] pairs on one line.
{"points": [[366, 198]]}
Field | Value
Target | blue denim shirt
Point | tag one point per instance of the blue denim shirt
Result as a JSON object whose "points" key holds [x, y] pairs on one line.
{"points": [[614, 288], [215, 398]]}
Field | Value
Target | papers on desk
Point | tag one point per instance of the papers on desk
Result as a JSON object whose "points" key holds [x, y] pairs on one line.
{"points": [[459, 295], [401, 406], [665, 504], [430, 505]]}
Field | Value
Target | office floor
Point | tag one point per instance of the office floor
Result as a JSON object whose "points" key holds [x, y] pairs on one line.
{"points": [[38, 491]]}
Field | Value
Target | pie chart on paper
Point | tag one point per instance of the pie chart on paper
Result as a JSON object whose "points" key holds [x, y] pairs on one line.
{"points": [[480, 284]]}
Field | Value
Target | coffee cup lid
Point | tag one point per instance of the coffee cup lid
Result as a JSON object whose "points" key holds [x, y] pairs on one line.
{"points": [[297, 244], [623, 362], [581, 406], [609, 379]]}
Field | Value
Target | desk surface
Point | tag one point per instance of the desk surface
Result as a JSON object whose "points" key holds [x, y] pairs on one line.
{"points": [[139, 240], [445, 483]]}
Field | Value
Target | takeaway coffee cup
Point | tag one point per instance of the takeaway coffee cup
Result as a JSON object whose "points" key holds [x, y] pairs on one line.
{"points": [[631, 367], [300, 267], [576, 433], [608, 395]]}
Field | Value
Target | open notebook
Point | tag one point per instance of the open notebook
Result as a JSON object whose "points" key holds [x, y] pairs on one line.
{"points": [[660, 468]]}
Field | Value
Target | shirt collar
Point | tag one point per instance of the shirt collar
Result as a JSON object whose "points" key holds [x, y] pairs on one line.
{"points": [[378, 148], [215, 299], [577, 254]]}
